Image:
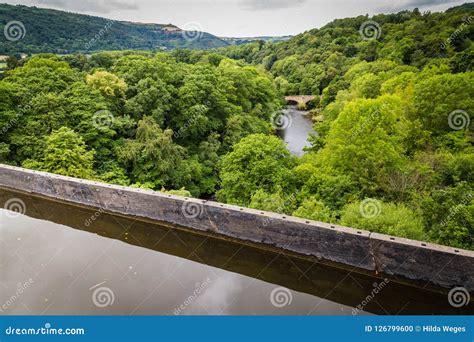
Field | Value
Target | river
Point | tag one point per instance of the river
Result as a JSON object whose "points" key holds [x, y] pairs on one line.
{"points": [[297, 130]]}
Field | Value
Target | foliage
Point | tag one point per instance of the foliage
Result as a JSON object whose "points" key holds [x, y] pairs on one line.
{"points": [[108, 84], [449, 215], [316, 210], [152, 121], [152, 157], [257, 162], [270, 202], [65, 154], [393, 219], [181, 192]]}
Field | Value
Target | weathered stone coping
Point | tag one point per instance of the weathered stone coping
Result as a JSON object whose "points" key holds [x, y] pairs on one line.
{"points": [[438, 265]]}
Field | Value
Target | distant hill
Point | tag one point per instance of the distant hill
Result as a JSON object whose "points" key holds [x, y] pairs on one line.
{"points": [[47, 30], [245, 40], [464, 7]]}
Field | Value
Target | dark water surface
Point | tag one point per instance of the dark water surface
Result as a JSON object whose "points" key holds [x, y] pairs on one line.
{"points": [[297, 132], [61, 259]]}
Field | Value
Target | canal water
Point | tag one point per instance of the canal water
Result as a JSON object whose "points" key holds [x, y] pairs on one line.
{"points": [[297, 130], [58, 259]]}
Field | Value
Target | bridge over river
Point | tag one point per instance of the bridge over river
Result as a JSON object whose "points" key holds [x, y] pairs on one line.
{"points": [[299, 99]]}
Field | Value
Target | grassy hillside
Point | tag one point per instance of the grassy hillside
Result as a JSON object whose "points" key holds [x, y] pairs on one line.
{"points": [[62, 32]]}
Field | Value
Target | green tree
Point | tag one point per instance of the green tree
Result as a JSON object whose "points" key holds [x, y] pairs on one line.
{"points": [[111, 87], [257, 162], [314, 209], [438, 96], [386, 218], [367, 141], [149, 97], [448, 215], [65, 153], [152, 157], [270, 202]]}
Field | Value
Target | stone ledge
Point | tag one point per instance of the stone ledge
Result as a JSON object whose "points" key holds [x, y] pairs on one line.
{"points": [[438, 265]]}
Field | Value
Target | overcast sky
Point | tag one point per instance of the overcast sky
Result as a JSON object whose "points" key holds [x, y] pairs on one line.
{"points": [[238, 18]]}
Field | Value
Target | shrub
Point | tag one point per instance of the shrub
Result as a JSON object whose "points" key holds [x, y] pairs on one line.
{"points": [[386, 218]]}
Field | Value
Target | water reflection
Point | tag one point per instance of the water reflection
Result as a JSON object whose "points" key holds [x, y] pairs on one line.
{"points": [[118, 265], [67, 267]]}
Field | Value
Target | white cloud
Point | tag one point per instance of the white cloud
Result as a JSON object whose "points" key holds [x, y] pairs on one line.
{"points": [[100, 6], [410, 4], [258, 5]]}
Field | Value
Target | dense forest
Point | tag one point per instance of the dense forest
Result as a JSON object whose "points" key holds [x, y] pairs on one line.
{"points": [[142, 119], [393, 154], [315, 62], [47, 30]]}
